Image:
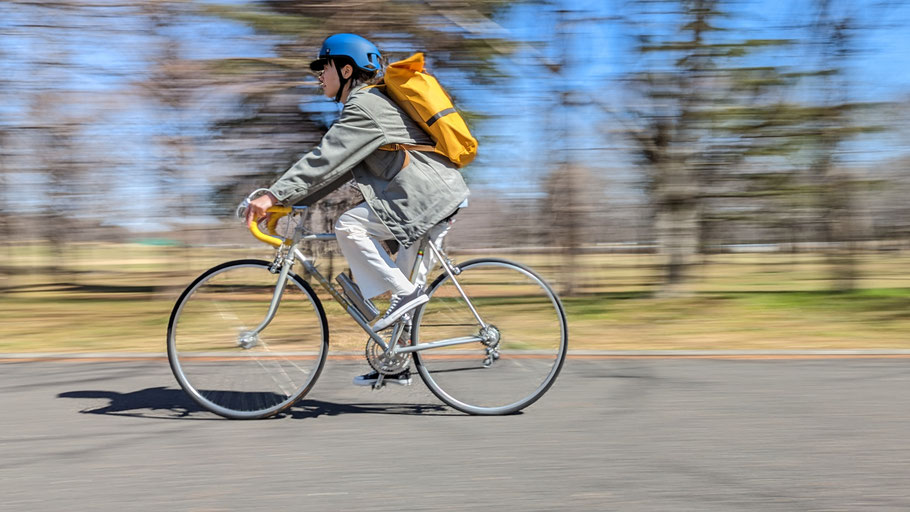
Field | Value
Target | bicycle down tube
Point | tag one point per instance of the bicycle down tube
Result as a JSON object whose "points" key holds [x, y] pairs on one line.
{"points": [[338, 296]]}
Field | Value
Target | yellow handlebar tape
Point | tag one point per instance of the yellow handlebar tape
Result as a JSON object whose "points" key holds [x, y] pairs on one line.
{"points": [[273, 239]]}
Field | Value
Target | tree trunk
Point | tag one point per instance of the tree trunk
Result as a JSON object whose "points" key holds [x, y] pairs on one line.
{"points": [[676, 227]]}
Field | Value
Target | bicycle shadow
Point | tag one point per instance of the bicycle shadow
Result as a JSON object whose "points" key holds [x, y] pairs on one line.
{"points": [[175, 404], [158, 403], [315, 408]]}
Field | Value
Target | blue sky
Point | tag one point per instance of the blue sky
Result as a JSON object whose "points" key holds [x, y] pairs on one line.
{"points": [[516, 145]]}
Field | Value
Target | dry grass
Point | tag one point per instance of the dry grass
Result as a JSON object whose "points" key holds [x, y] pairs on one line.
{"points": [[118, 298]]}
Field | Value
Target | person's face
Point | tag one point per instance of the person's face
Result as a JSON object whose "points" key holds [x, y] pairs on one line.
{"points": [[329, 78]]}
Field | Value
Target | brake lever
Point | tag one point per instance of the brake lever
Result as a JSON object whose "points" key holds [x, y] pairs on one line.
{"points": [[241, 208]]}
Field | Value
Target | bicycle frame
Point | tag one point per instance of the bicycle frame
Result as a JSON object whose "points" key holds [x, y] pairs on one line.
{"points": [[288, 254]]}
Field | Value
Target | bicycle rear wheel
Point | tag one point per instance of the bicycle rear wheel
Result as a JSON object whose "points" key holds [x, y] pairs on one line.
{"points": [[223, 364], [526, 326]]}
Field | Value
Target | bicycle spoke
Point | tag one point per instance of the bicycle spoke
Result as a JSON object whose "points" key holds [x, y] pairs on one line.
{"points": [[501, 374], [254, 375]]}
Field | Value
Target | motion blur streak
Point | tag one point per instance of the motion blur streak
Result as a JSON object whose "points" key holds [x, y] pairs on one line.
{"points": [[689, 174]]}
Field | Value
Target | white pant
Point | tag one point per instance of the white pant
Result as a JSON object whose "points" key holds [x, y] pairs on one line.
{"points": [[359, 231]]}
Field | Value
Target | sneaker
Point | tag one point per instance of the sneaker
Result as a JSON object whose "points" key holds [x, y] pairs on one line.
{"points": [[369, 379], [399, 306]]}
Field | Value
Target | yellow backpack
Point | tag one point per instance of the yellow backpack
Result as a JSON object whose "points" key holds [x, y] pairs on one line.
{"points": [[426, 102]]}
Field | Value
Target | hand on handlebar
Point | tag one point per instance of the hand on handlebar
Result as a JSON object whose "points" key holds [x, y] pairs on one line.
{"points": [[257, 208], [263, 207]]}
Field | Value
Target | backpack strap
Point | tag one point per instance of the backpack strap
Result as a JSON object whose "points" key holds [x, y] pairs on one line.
{"points": [[398, 147], [412, 147]]}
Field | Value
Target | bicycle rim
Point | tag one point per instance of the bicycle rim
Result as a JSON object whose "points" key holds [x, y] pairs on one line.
{"points": [[222, 364], [532, 338]]}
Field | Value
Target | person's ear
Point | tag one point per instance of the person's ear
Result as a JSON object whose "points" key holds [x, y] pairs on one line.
{"points": [[347, 71]]}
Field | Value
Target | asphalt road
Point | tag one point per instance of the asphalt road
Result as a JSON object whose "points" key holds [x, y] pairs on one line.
{"points": [[612, 434]]}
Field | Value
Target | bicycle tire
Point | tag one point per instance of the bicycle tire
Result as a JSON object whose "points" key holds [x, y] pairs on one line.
{"points": [[533, 341], [212, 320]]}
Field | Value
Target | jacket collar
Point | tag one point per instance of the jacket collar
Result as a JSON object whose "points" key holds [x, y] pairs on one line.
{"points": [[355, 90]]}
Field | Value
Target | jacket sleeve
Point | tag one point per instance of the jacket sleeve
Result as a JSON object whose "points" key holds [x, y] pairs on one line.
{"points": [[351, 139]]}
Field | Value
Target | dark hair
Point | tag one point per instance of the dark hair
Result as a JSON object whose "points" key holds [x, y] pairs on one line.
{"points": [[359, 75]]}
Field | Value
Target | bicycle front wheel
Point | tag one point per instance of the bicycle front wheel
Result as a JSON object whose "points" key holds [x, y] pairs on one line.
{"points": [[222, 357], [525, 327]]}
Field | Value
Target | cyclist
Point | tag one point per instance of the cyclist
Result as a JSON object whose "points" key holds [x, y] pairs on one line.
{"points": [[407, 194]]}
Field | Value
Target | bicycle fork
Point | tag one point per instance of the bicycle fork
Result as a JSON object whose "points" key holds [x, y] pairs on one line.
{"points": [[249, 339]]}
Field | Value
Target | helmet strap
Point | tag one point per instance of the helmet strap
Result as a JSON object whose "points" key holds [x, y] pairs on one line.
{"points": [[342, 81]]}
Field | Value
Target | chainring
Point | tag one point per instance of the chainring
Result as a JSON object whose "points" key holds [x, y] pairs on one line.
{"points": [[384, 363]]}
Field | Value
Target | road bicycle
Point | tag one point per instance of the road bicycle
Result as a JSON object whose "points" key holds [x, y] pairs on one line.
{"points": [[249, 338]]}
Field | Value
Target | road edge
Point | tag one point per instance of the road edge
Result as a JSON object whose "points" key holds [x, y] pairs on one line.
{"points": [[573, 354]]}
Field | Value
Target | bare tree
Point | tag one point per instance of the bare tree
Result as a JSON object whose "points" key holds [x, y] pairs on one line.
{"points": [[568, 208]]}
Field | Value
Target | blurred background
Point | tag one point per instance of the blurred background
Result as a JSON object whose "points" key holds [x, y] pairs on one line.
{"points": [[689, 174]]}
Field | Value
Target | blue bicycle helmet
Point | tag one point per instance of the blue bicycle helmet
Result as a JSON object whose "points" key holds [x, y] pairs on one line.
{"points": [[360, 50], [350, 48]]}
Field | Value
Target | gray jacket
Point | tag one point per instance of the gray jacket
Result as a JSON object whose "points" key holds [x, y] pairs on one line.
{"points": [[408, 200]]}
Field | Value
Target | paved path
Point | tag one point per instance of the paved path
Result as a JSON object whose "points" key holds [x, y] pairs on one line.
{"points": [[613, 434]]}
